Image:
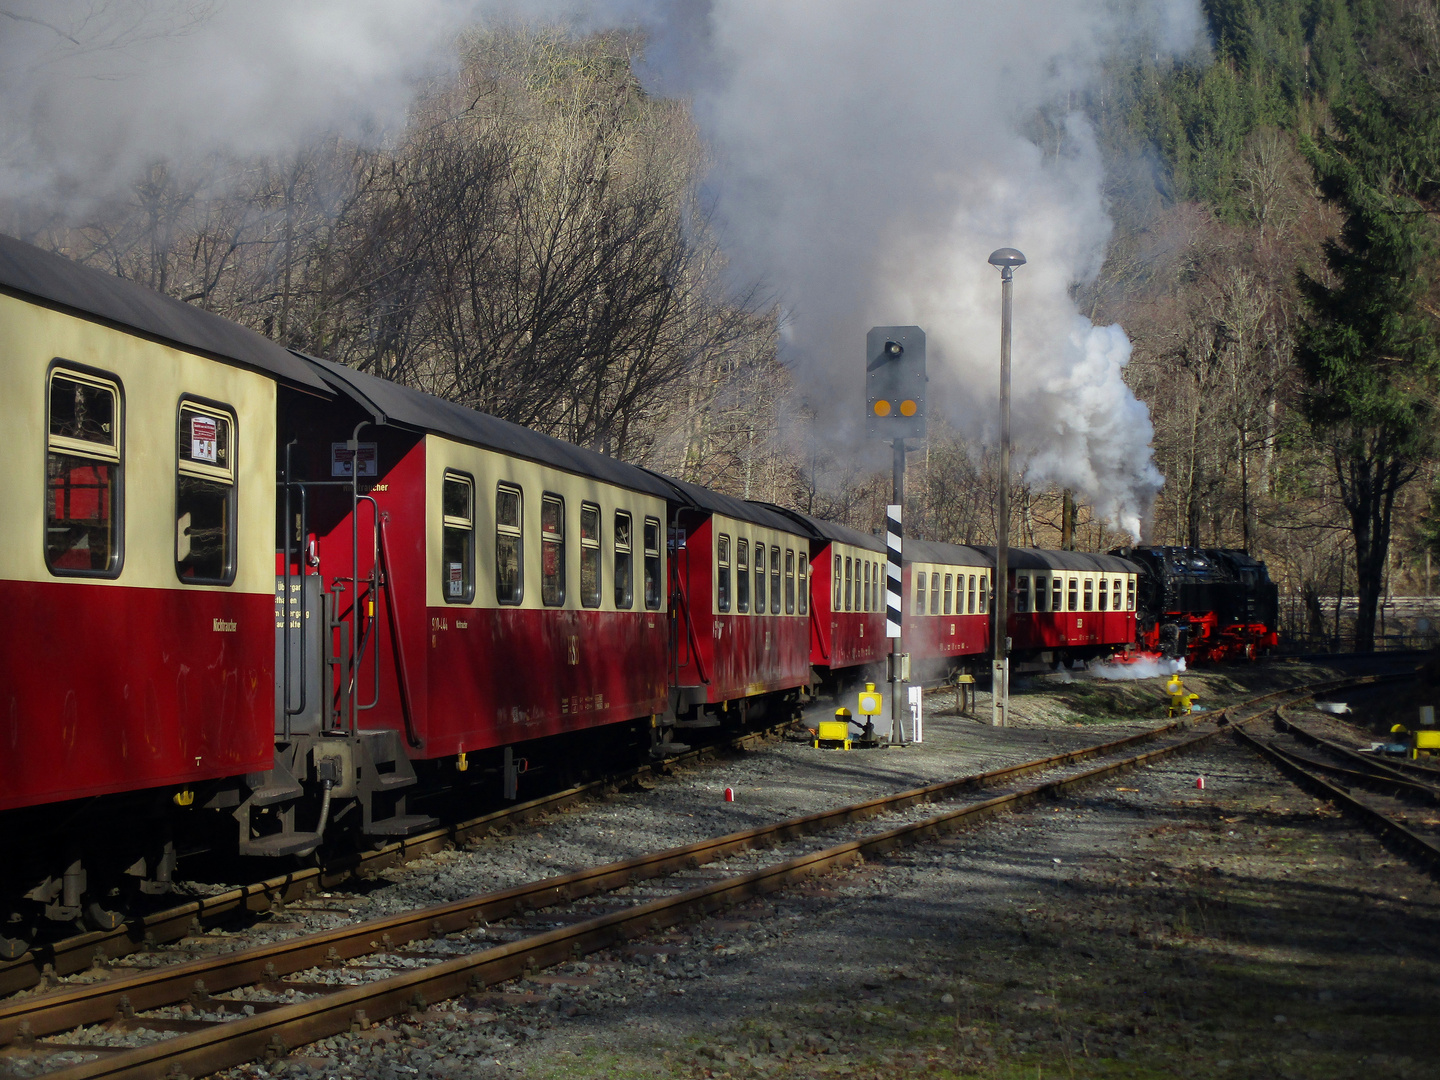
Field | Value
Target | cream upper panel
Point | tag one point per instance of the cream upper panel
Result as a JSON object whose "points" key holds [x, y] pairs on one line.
{"points": [[153, 378], [859, 558], [489, 469], [753, 534], [960, 585]]}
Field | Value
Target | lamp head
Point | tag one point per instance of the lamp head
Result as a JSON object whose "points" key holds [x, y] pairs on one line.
{"points": [[1006, 257]]}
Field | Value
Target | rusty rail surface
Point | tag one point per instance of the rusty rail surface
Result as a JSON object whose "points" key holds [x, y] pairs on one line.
{"points": [[79, 952], [280, 1027]]}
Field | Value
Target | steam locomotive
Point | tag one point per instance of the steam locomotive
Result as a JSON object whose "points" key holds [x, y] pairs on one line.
{"points": [[1205, 604]]}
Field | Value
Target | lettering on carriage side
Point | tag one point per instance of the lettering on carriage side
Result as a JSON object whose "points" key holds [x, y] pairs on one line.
{"points": [[717, 629], [574, 649], [862, 629], [1079, 624], [461, 625], [223, 626], [439, 622]]}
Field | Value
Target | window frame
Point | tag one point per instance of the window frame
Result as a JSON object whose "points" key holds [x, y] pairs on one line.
{"points": [[596, 546], [1022, 594], [220, 474], [774, 579], [722, 573], [624, 601], [802, 583], [849, 580], [112, 455], [918, 599], [1072, 593], [866, 594], [1129, 592], [789, 581], [986, 589], [654, 553], [1087, 590], [742, 575], [1041, 594], [1057, 592], [837, 584], [1102, 595], [934, 592], [553, 498], [517, 532], [451, 521]]}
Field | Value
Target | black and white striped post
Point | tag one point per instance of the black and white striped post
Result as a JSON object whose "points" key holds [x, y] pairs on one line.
{"points": [[894, 620]]}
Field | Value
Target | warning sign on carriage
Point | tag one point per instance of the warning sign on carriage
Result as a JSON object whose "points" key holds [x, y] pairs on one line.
{"points": [[341, 456], [204, 442]]}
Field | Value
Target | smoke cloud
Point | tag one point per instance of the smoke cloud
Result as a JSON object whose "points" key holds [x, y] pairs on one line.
{"points": [[868, 159], [872, 156]]}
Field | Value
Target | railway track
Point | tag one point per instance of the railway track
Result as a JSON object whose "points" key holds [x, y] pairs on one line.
{"points": [[264, 1001], [1397, 800], [81, 952]]}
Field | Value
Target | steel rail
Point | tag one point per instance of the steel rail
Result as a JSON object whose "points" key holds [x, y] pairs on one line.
{"points": [[80, 952], [275, 1031], [1392, 833], [96, 1002], [1401, 771], [300, 1021]]}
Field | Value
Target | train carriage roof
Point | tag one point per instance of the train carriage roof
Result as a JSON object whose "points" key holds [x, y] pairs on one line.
{"points": [[820, 529], [933, 551], [33, 272], [392, 403], [1078, 561], [731, 506]]}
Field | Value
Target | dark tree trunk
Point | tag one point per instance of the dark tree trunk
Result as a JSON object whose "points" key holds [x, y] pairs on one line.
{"points": [[1369, 487]]}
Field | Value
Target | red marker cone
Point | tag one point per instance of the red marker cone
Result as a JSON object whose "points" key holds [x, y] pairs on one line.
{"points": [[729, 794], [1200, 783]]}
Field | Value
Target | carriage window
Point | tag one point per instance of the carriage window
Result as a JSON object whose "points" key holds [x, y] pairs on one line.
{"points": [[1129, 594], [1115, 594], [949, 591], [1022, 592], [1042, 592], [205, 496], [838, 578], [759, 579], [457, 543], [653, 591], [552, 550], [984, 591], [1057, 594], [1089, 595], [722, 573], [919, 608], [1072, 600], [935, 593], [509, 578], [865, 595], [83, 476], [879, 587], [742, 575], [774, 580], [1104, 595], [804, 586], [848, 605], [589, 555], [624, 560], [789, 582], [970, 596]]}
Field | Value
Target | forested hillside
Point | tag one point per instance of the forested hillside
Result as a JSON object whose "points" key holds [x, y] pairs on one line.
{"points": [[536, 243]]}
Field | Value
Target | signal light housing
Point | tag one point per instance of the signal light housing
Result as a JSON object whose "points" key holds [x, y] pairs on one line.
{"points": [[895, 382]]}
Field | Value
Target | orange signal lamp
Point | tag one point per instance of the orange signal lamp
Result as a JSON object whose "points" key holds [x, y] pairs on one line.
{"points": [[908, 407], [882, 408]]}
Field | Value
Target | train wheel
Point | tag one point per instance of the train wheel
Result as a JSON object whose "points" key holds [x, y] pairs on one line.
{"points": [[102, 918], [13, 948]]}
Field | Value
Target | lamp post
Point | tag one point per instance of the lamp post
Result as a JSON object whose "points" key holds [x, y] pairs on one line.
{"points": [[1006, 259]]}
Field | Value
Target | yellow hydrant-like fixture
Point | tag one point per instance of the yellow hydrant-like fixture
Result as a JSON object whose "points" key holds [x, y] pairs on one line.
{"points": [[1181, 703], [870, 700]]}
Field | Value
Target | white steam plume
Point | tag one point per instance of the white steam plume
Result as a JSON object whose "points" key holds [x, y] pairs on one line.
{"points": [[870, 156]]}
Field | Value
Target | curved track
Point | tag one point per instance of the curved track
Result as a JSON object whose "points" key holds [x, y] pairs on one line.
{"points": [[436, 953]]}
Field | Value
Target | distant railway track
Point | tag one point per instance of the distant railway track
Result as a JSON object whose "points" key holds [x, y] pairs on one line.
{"points": [[1397, 800], [456, 947]]}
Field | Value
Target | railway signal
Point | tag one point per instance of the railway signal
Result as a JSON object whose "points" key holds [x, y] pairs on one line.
{"points": [[895, 382]]}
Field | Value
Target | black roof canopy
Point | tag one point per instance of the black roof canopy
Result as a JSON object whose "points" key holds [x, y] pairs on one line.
{"points": [[820, 529], [32, 272], [391, 403], [1078, 561]]}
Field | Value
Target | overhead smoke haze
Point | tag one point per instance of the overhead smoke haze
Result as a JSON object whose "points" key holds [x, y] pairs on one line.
{"points": [[867, 160], [870, 159]]}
